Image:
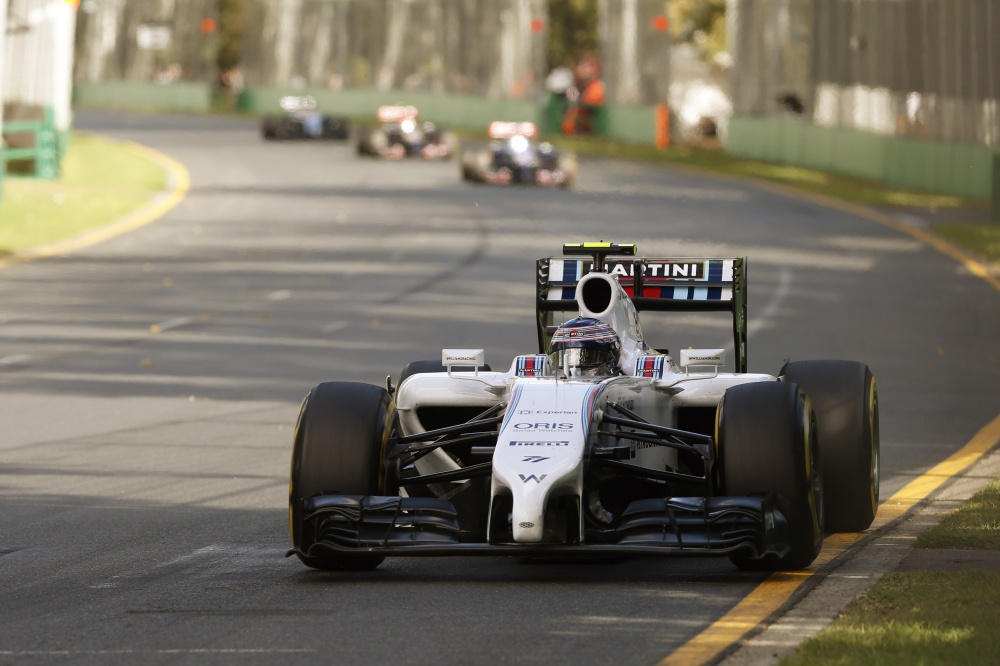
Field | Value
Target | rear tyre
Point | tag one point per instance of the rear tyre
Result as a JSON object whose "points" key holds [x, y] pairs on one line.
{"points": [[767, 443], [284, 129], [267, 127], [338, 448], [362, 146], [845, 400], [416, 367], [378, 142], [468, 168], [431, 365], [335, 127]]}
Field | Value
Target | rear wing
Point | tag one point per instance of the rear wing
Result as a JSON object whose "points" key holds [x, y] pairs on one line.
{"points": [[659, 284], [395, 114], [505, 130]]}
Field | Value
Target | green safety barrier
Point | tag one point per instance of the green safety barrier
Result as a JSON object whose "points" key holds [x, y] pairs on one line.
{"points": [[44, 149], [618, 122], [962, 169]]}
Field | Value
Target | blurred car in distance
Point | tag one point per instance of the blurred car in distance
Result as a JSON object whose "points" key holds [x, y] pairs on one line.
{"points": [[514, 156], [402, 134], [302, 120]]}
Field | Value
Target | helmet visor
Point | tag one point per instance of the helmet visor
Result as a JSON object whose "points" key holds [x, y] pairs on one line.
{"points": [[582, 362]]}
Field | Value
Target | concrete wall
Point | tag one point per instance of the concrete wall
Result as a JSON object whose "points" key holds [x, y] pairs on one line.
{"points": [[453, 110], [960, 169], [180, 96]]}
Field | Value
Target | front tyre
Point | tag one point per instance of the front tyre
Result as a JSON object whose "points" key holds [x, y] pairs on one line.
{"points": [[767, 444], [362, 144], [845, 400], [449, 140], [569, 164], [338, 448]]}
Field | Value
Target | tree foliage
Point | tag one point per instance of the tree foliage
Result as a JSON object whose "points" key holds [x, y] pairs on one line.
{"points": [[702, 22], [230, 33], [572, 31]]}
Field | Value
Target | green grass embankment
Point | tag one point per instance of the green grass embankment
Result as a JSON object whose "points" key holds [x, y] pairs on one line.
{"points": [[102, 180]]}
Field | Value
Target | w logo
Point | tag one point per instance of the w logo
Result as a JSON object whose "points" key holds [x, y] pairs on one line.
{"points": [[532, 477]]}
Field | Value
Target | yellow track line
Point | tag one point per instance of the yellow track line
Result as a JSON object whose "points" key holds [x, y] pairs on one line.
{"points": [[179, 181], [769, 597]]}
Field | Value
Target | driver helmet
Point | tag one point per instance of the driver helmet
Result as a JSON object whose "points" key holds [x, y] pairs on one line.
{"points": [[586, 347]]}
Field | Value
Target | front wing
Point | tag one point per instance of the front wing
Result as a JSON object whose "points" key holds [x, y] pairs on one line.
{"points": [[348, 525]]}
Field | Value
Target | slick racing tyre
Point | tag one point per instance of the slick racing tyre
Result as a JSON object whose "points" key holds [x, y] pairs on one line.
{"points": [[570, 166], [378, 142], [767, 443], [362, 145], [845, 400], [469, 169], [286, 128], [450, 141], [431, 365], [268, 127], [417, 367], [335, 127], [338, 448]]}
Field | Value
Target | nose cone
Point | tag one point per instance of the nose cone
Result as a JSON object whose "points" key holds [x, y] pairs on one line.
{"points": [[540, 449]]}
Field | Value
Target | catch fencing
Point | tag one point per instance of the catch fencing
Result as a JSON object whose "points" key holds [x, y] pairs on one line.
{"points": [[494, 50], [490, 49], [928, 69], [635, 51], [146, 41]]}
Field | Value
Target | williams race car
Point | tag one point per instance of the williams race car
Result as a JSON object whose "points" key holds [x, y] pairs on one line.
{"points": [[301, 120], [402, 134], [596, 445], [513, 156]]}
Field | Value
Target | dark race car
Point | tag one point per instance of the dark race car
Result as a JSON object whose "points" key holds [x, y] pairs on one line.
{"points": [[514, 156], [301, 120], [402, 134]]}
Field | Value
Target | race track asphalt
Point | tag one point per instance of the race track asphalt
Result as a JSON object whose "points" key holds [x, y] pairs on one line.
{"points": [[149, 386]]}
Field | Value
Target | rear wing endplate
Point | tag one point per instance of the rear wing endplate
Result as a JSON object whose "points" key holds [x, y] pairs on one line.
{"points": [[659, 284]]}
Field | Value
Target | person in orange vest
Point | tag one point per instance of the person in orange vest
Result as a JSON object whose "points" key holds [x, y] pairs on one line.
{"points": [[585, 99]]}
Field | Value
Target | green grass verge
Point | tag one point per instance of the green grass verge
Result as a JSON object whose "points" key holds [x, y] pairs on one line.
{"points": [[975, 526], [914, 618], [983, 239], [102, 180], [931, 617]]}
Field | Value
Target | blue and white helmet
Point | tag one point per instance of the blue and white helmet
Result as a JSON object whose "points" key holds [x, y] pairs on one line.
{"points": [[586, 347]]}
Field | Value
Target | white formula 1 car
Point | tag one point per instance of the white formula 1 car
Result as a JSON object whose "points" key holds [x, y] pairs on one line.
{"points": [[597, 445]]}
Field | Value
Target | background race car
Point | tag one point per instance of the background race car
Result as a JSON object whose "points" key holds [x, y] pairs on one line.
{"points": [[597, 444], [301, 120], [514, 156], [402, 134]]}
